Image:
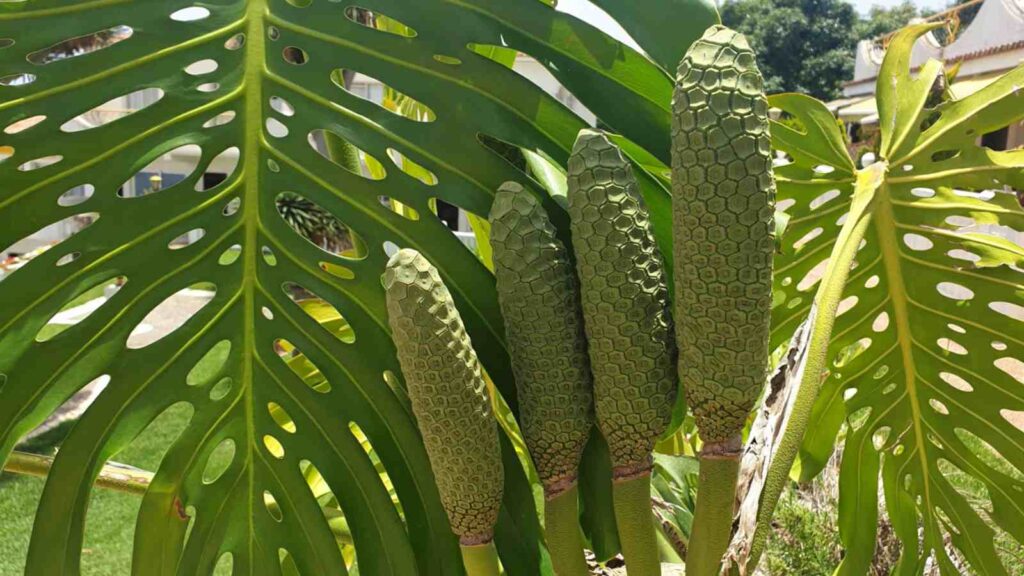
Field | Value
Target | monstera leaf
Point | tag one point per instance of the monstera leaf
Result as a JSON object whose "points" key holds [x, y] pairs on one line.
{"points": [[260, 90], [924, 365]]}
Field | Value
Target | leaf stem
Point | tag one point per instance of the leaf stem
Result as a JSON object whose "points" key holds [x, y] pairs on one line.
{"points": [[564, 537], [827, 301], [135, 481], [481, 560], [113, 476], [635, 518], [712, 521]]}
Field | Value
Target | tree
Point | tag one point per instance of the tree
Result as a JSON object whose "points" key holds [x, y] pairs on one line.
{"points": [[881, 20], [803, 45]]}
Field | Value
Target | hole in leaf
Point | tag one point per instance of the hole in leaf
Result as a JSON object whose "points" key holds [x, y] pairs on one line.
{"points": [[872, 282], [341, 152], [851, 352], [273, 446], [17, 79], [208, 87], [187, 239], [399, 208], [1014, 417], [881, 372], [960, 221], [813, 276], [385, 479], [301, 366], [378, 21], [917, 242], [80, 45], [281, 417], [945, 155], [6, 43], [190, 14], [157, 177], [5, 153], [321, 228], [950, 345], [219, 170], [39, 163], [390, 99], [337, 271], [1011, 366], [79, 308], [294, 55], [412, 168], [880, 436], [807, 238], [235, 42], [68, 258], [210, 365], [220, 119], [881, 322], [23, 124], [321, 311], [267, 313], [230, 256], [268, 256], [273, 33], [201, 67], [171, 314], [956, 328], [76, 195], [824, 198], [846, 305], [997, 345], [922, 192], [219, 461], [1009, 310], [963, 255], [281, 106], [276, 128], [273, 508], [956, 381], [954, 291], [938, 407], [232, 207]]}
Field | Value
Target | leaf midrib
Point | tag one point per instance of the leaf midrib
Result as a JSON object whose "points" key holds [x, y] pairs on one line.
{"points": [[252, 81], [885, 226]]}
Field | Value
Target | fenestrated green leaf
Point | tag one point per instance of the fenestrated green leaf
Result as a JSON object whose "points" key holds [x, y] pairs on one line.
{"points": [[926, 349], [279, 80]]}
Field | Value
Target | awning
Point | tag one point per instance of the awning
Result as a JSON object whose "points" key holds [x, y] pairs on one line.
{"points": [[856, 112], [964, 88], [835, 105]]}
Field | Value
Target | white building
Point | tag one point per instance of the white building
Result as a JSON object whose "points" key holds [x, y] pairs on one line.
{"points": [[991, 45]]}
